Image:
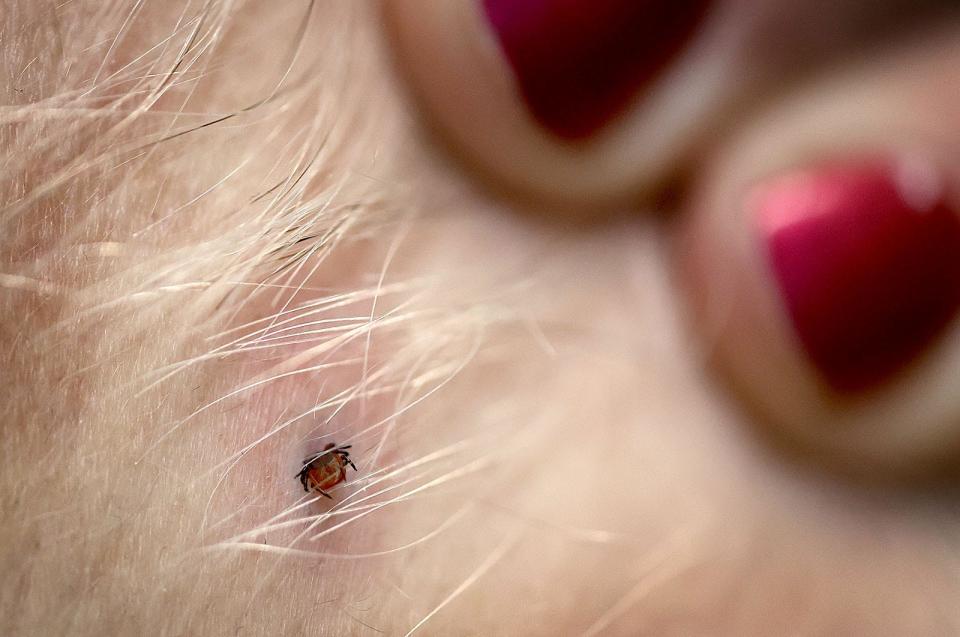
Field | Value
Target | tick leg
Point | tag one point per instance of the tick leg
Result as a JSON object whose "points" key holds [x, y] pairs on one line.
{"points": [[324, 493], [350, 462]]}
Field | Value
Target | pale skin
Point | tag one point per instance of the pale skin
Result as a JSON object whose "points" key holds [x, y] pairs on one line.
{"points": [[237, 232]]}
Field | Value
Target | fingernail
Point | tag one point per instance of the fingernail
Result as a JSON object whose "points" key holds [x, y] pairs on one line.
{"points": [[578, 63], [867, 258]]}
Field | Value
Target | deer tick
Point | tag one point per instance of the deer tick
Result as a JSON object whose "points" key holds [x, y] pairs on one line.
{"points": [[325, 469]]}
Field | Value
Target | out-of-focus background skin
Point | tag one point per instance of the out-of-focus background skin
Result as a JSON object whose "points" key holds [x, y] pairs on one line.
{"points": [[227, 240]]}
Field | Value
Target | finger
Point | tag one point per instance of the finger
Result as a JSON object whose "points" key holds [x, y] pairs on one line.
{"points": [[600, 102], [823, 261]]}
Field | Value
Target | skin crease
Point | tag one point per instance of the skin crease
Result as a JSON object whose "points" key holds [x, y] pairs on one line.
{"points": [[191, 308]]}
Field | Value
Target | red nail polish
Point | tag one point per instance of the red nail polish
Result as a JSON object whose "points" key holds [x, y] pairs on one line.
{"points": [[867, 258], [579, 62]]}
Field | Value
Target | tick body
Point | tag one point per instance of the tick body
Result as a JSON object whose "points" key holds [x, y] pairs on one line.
{"points": [[325, 469]]}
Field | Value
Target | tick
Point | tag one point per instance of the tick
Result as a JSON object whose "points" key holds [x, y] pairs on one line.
{"points": [[325, 469]]}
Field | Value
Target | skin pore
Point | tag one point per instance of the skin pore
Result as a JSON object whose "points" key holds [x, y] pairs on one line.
{"points": [[229, 240]]}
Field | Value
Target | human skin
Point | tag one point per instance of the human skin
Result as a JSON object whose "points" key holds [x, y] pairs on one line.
{"points": [[231, 236]]}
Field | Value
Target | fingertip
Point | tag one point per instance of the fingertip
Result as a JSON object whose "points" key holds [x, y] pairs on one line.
{"points": [[821, 263], [545, 114]]}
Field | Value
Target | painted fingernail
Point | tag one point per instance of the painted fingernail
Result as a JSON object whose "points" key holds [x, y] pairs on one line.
{"points": [[867, 258], [578, 63]]}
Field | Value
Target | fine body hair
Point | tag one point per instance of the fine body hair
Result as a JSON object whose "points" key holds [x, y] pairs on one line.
{"points": [[224, 247], [226, 244]]}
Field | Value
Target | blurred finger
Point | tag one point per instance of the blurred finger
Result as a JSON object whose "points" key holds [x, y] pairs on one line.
{"points": [[599, 102], [823, 260]]}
